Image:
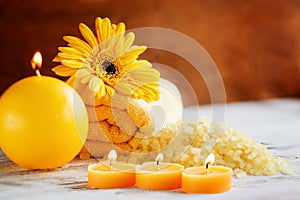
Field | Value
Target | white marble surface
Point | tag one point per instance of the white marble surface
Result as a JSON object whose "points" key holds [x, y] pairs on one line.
{"points": [[273, 122]]}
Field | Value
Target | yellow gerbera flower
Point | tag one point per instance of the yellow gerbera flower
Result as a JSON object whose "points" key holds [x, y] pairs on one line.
{"points": [[108, 62]]}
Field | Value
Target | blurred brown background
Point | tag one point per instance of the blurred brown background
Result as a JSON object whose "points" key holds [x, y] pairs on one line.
{"points": [[255, 44]]}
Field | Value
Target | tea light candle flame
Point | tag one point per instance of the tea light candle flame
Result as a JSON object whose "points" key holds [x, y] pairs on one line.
{"points": [[159, 158], [112, 156], [36, 63], [209, 160]]}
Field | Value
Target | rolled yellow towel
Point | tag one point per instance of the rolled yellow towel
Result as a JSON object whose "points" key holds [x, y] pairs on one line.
{"points": [[115, 122]]}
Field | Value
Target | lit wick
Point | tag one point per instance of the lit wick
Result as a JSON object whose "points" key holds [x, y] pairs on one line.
{"points": [[209, 161], [112, 156], [159, 158], [36, 63]]}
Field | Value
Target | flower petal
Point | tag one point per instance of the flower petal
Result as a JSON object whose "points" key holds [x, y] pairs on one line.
{"points": [[73, 51], [69, 56], [147, 77], [88, 35], [72, 63], [137, 63], [150, 94], [86, 79], [101, 92], [83, 72], [94, 84], [120, 28], [57, 59], [116, 43], [132, 54], [124, 88], [128, 40], [105, 31], [62, 70], [142, 74], [78, 44], [113, 27], [98, 23], [109, 90], [71, 81]]}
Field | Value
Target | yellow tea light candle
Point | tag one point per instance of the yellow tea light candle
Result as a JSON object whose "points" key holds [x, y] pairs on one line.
{"points": [[207, 179], [111, 173], [159, 176], [43, 121]]}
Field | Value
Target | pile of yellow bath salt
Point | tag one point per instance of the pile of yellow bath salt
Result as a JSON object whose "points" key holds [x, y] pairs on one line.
{"points": [[190, 142], [232, 149]]}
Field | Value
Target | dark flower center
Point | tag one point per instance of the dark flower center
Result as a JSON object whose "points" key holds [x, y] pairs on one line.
{"points": [[109, 67]]}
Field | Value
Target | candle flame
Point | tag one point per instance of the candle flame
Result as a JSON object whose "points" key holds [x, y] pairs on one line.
{"points": [[112, 155], [36, 61], [159, 158], [209, 160]]}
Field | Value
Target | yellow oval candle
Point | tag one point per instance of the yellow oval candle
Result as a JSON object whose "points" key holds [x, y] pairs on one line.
{"points": [[207, 179], [159, 176], [43, 122], [111, 174]]}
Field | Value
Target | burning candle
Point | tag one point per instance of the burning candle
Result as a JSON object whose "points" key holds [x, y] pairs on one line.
{"points": [[158, 175], [43, 121], [207, 179], [111, 173]]}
